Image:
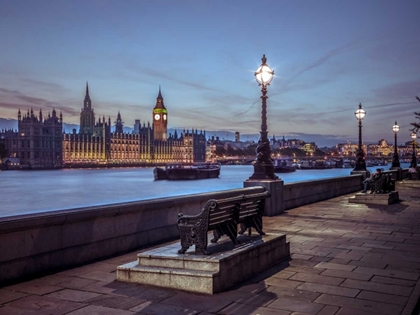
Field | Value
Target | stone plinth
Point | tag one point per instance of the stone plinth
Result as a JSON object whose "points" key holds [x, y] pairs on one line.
{"points": [[409, 189], [225, 266], [274, 204], [379, 199]]}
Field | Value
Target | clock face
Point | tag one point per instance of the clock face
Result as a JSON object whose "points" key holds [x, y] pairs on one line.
{"points": [[164, 116], [157, 116]]}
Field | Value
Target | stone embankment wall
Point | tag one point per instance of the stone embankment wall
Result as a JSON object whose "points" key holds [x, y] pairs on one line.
{"points": [[44, 242], [303, 193]]}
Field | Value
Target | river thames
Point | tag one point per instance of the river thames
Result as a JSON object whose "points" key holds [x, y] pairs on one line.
{"points": [[24, 192]]}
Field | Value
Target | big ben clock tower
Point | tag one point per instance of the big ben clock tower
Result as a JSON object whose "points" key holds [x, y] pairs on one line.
{"points": [[160, 119]]}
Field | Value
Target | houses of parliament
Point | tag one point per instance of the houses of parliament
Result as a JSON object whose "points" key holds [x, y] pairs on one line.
{"points": [[41, 143]]}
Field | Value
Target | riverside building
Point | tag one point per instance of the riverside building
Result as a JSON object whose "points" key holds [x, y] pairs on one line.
{"points": [[42, 144]]}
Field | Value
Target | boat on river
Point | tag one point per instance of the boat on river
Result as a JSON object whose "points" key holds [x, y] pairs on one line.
{"points": [[284, 166], [187, 171]]}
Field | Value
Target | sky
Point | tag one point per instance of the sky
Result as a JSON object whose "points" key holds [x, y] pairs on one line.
{"points": [[328, 56]]}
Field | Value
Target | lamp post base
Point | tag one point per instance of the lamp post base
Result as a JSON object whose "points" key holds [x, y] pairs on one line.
{"points": [[263, 171]]}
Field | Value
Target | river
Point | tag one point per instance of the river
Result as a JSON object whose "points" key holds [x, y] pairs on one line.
{"points": [[24, 192]]}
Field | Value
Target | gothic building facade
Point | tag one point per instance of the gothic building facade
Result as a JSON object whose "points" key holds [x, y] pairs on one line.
{"points": [[41, 143], [37, 142]]}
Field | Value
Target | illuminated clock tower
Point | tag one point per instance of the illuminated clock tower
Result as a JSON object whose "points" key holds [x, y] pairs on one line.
{"points": [[160, 119]]}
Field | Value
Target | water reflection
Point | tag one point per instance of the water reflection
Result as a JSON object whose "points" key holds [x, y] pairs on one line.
{"points": [[25, 192]]}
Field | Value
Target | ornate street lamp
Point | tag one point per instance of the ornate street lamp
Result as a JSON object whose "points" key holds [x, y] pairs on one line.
{"points": [[263, 165], [360, 154], [414, 156], [395, 157]]}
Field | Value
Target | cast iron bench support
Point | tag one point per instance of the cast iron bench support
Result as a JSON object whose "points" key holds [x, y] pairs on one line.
{"points": [[222, 217]]}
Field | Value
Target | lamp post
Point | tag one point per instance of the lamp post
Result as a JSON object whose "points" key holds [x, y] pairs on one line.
{"points": [[395, 157], [360, 165], [414, 157], [263, 165]]}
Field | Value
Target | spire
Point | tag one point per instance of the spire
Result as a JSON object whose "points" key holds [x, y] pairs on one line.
{"points": [[159, 100], [87, 90]]}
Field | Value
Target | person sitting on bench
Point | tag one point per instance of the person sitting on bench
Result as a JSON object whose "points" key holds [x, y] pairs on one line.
{"points": [[373, 177]]}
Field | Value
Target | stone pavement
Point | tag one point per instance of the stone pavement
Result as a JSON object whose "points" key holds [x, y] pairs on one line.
{"points": [[347, 259]]}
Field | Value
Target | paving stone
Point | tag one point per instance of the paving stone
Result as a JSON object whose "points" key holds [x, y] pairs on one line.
{"points": [[310, 270], [301, 256], [119, 302], [284, 274], [76, 283], [211, 304], [252, 288], [7, 296], [46, 305], [294, 305], [388, 280], [379, 265], [361, 248], [153, 308], [339, 261], [100, 276], [305, 277], [377, 287], [320, 258], [72, 295], [382, 297], [241, 309], [370, 307], [346, 274], [99, 310], [32, 287], [155, 295], [388, 273], [328, 310], [348, 311], [15, 311], [303, 295], [328, 265], [282, 283], [329, 289]]}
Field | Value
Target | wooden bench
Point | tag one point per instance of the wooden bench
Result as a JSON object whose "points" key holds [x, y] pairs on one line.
{"points": [[222, 217]]}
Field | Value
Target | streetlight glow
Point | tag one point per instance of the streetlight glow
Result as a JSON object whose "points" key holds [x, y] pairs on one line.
{"points": [[395, 128], [264, 75]]}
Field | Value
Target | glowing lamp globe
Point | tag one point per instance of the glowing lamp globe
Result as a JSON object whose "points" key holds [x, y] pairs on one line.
{"points": [[395, 128], [264, 74], [360, 113], [413, 136]]}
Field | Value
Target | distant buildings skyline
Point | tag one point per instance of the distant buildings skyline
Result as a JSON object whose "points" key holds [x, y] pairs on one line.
{"points": [[328, 56]]}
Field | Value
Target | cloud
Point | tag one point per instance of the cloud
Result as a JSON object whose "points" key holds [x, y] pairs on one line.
{"points": [[163, 75], [399, 90], [46, 85], [16, 99]]}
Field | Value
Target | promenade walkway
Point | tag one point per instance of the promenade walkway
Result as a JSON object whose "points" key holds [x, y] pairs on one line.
{"points": [[347, 259]]}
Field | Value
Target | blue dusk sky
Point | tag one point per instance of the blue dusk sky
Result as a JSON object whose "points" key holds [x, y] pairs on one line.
{"points": [[328, 55]]}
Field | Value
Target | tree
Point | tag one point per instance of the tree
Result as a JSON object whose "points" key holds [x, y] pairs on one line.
{"points": [[416, 125], [3, 151]]}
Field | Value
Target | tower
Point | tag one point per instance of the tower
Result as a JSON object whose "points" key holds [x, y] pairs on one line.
{"points": [[87, 116], [160, 119], [119, 124]]}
